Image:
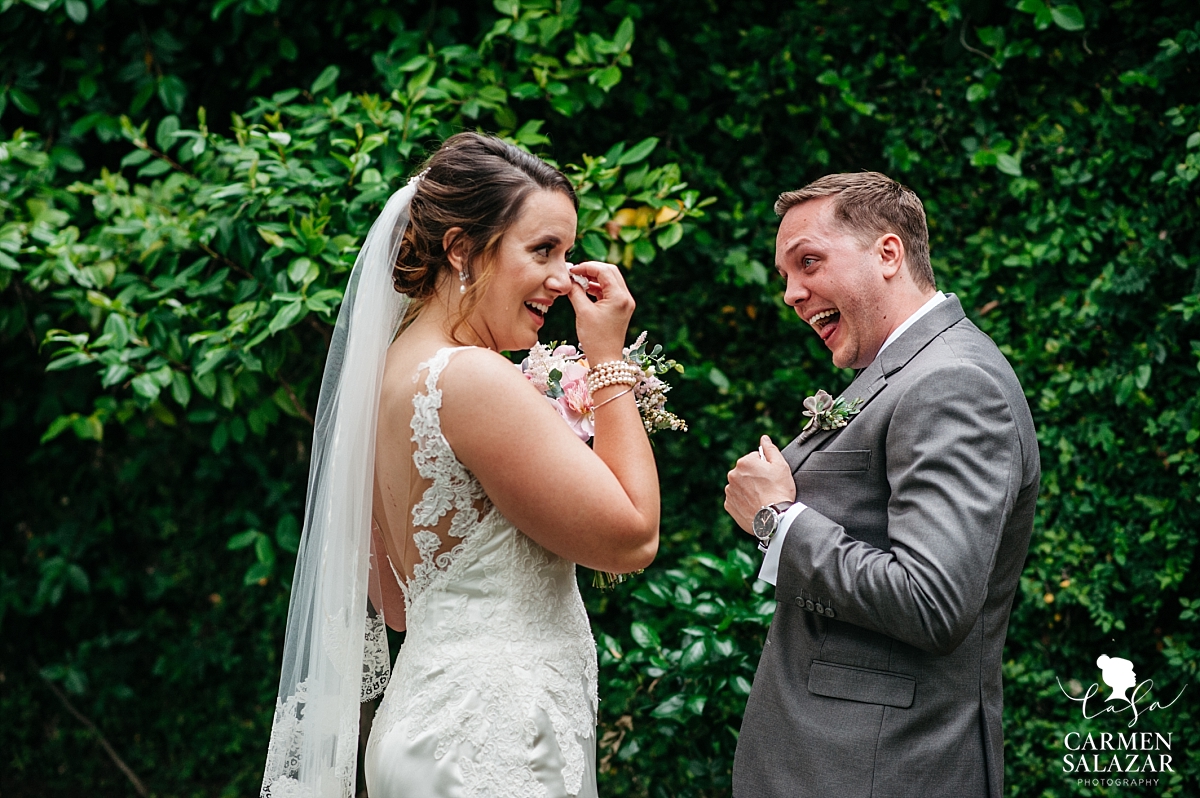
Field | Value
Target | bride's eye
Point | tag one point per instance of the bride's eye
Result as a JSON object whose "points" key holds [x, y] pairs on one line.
{"points": [[544, 250]]}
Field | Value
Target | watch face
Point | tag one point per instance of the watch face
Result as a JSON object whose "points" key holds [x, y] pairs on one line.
{"points": [[764, 523]]}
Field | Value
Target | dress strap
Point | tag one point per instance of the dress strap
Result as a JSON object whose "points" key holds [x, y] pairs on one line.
{"points": [[436, 364]]}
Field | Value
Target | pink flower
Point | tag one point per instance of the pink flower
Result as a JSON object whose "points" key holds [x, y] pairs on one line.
{"points": [[565, 350], [575, 405]]}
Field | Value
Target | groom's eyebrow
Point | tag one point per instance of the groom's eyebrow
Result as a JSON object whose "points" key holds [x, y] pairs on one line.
{"points": [[796, 242]]}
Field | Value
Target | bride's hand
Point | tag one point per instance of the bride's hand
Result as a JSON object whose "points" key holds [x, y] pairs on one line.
{"points": [[601, 325]]}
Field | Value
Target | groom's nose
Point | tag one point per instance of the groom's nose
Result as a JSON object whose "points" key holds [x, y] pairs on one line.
{"points": [[795, 292]]}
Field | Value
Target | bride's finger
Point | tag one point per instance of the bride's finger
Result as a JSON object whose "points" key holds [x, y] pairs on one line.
{"points": [[605, 277]]}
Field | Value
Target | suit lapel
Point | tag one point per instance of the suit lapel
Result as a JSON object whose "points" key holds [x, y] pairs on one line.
{"points": [[866, 386], [873, 379]]}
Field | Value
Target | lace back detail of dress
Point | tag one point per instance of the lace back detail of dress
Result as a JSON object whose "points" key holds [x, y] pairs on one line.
{"points": [[453, 491]]}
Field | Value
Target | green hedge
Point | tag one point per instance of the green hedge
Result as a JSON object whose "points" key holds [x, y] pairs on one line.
{"points": [[192, 266]]}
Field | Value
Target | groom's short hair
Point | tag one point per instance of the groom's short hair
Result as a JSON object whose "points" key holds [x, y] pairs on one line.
{"points": [[868, 205]]}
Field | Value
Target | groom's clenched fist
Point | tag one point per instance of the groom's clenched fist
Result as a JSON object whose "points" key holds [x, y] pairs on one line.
{"points": [[760, 478]]}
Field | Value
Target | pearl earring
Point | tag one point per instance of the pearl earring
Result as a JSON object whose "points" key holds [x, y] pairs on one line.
{"points": [[462, 277]]}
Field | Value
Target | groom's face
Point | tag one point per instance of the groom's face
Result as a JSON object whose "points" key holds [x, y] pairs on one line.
{"points": [[833, 282]]}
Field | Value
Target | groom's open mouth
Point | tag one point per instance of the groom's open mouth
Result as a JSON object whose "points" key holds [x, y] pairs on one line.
{"points": [[825, 322]]}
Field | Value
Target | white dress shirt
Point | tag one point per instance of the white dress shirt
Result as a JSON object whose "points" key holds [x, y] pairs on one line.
{"points": [[770, 567]]}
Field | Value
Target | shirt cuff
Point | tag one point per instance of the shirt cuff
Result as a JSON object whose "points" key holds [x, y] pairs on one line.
{"points": [[769, 572]]}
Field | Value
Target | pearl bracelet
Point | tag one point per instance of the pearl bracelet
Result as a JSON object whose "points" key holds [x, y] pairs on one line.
{"points": [[614, 372]]}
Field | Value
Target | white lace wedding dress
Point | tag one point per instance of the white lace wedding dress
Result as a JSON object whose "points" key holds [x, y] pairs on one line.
{"points": [[494, 690]]}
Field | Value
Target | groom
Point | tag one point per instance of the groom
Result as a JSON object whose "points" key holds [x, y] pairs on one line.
{"points": [[895, 528]]}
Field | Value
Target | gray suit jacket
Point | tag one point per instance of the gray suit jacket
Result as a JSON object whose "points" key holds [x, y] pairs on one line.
{"points": [[880, 675]]}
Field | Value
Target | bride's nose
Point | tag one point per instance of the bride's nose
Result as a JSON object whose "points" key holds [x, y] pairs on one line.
{"points": [[559, 280]]}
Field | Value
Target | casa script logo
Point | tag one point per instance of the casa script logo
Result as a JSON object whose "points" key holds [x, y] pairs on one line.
{"points": [[1125, 758]]}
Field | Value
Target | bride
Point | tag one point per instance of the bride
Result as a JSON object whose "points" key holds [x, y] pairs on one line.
{"points": [[448, 498]]}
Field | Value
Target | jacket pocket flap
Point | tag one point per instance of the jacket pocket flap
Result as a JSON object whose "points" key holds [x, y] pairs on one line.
{"points": [[861, 684], [853, 460]]}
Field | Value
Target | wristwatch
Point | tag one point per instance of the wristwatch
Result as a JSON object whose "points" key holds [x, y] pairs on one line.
{"points": [[766, 522]]}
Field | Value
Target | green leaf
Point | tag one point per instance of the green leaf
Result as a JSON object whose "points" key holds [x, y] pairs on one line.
{"points": [[221, 5], [1008, 164], [58, 426], [220, 437], [287, 533], [24, 102], [286, 317], [181, 389], [694, 654], [326, 79], [645, 636], [670, 236], [243, 539], [134, 158], [606, 78], [669, 708], [624, 35], [154, 168], [71, 361], [172, 92], [643, 250], [264, 550], [206, 383], [303, 271], [741, 685], [529, 135], [77, 10], [258, 572], [78, 578], [638, 152], [165, 135], [594, 247], [1067, 17]]}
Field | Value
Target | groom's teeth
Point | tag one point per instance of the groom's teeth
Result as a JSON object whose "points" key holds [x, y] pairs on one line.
{"points": [[821, 317]]}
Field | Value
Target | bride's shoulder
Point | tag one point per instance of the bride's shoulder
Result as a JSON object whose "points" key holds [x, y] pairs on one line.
{"points": [[475, 368]]}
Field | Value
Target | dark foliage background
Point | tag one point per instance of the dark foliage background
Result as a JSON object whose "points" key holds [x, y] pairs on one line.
{"points": [[1056, 147]]}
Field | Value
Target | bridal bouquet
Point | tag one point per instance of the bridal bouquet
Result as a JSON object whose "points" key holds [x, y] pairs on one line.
{"points": [[560, 371]]}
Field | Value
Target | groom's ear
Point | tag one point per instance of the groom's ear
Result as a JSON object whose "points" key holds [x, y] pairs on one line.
{"points": [[890, 250]]}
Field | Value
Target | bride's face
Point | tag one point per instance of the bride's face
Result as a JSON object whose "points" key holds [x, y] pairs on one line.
{"points": [[528, 273]]}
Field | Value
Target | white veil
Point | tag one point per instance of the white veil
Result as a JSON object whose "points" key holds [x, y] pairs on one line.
{"points": [[335, 652]]}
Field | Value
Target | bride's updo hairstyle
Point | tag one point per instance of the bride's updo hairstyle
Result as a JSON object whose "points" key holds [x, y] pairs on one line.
{"points": [[479, 184]]}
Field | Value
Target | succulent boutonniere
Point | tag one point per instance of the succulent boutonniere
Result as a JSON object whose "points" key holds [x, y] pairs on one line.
{"points": [[825, 412]]}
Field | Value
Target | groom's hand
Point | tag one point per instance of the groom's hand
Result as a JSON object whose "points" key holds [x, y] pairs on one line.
{"points": [[756, 481]]}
